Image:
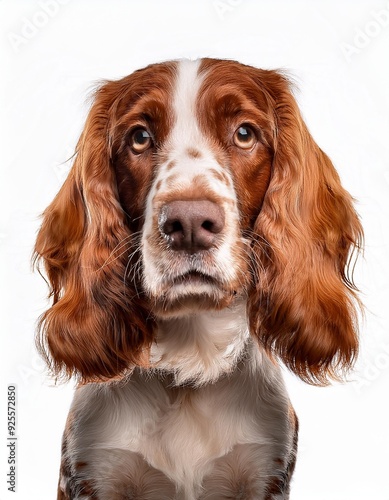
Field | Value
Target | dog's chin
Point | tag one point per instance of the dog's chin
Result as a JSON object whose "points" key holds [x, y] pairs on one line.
{"points": [[190, 295]]}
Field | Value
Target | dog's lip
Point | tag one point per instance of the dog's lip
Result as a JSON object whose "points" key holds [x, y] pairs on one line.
{"points": [[193, 276]]}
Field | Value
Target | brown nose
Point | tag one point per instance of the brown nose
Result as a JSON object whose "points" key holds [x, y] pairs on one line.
{"points": [[191, 225]]}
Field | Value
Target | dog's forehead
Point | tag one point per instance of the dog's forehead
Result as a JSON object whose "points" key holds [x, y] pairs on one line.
{"points": [[177, 90], [186, 78], [209, 85]]}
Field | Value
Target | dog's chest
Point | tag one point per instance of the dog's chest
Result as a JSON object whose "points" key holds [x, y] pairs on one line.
{"points": [[179, 431], [175, 437]]}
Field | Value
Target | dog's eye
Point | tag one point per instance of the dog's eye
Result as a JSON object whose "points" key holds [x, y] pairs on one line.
{"points": [[140, 140], [244, 137]]}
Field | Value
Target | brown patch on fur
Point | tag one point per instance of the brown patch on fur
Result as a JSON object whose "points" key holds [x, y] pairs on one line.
{"points": [[170, 165], [293, 457], [65, 474], [220, 176], [193, 153], [170, 181], [198, 190], [280, 483], [275, 487], [86, 488]]}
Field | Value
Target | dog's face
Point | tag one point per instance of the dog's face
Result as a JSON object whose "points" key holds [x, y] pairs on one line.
{"points": [[197, 185], [199, 147]]}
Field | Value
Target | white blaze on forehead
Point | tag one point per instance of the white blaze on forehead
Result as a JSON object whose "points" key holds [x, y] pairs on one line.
{"points": [[186, 132]]}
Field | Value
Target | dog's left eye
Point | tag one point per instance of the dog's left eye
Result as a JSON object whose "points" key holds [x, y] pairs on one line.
{"points": [[244, 137], [140, 140]]}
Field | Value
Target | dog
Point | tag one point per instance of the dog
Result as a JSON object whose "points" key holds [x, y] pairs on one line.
{"points": [[200, 237]]}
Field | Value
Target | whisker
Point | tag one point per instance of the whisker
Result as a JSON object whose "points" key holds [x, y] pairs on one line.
{"points": [[125, 241], [110, 261]]}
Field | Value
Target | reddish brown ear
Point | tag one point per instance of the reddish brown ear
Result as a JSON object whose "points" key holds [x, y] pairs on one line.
{"points": [[302, 307], [96, 326]]}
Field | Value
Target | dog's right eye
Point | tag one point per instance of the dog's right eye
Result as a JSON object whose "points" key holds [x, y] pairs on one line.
{"points": [[245, 137], [140, 140]]}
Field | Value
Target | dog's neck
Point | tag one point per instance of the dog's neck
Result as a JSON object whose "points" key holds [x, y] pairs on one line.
{"points": [[200, 348]]}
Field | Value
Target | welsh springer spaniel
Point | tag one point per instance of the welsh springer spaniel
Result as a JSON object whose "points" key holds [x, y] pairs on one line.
{"points": [[200, 235]]}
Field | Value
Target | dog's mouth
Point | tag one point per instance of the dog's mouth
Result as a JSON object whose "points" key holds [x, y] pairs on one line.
{"points": [[192, 291], [196, 278]]}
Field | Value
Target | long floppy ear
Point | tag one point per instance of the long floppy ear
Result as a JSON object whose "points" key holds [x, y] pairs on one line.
{"points": [[302, 307], [96, 326]]}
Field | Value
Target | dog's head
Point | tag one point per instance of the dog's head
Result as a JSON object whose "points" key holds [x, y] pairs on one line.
{"points": [[196, 185]]}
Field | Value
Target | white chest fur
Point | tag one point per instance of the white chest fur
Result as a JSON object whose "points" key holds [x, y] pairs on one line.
{"points": [[209, 392]]}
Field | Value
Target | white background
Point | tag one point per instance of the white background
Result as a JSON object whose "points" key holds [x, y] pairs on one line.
{"points": [[53, 52]]}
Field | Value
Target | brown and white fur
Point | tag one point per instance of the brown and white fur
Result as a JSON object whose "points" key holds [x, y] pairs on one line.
{"points": [[200, 235]]}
